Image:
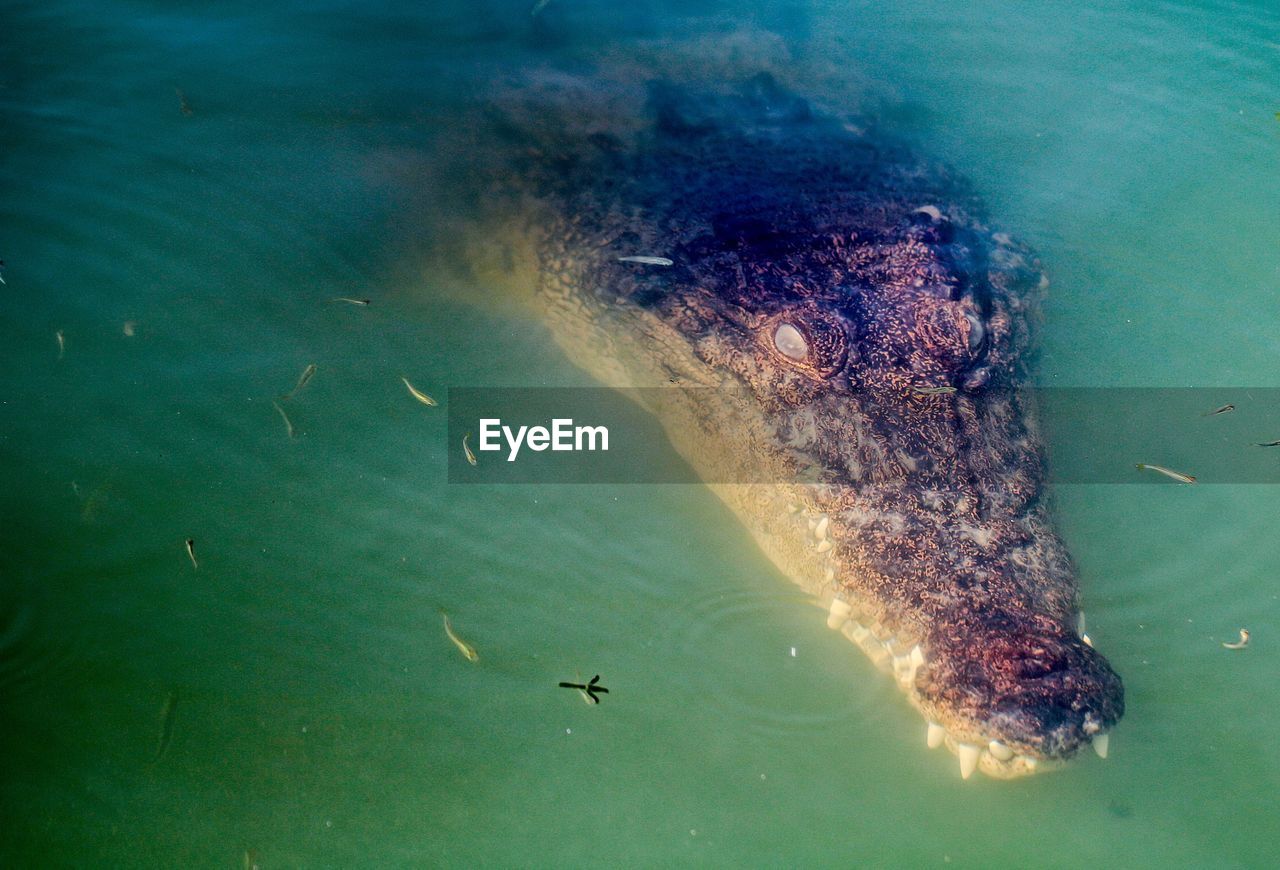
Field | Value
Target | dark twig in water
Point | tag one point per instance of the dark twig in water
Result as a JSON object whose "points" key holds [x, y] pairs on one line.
{"points": [[589, 690]]}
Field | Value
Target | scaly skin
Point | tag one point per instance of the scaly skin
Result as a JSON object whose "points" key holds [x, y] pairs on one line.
{"points": [[824, 281]]}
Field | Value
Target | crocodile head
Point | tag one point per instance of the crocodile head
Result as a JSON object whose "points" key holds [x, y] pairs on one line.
{"points": [[859, 343]]}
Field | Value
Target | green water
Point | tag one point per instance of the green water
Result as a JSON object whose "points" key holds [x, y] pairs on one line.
{"points": [[322, 718]]}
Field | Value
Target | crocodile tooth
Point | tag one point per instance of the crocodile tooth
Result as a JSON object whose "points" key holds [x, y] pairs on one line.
{"points": [[840, 611], [999, 751], [968, 758], [1087, 640], [1101, 744], [935, 735], [820, 530], [824, 546], [917, 655], [879, 656], [813, 524]]}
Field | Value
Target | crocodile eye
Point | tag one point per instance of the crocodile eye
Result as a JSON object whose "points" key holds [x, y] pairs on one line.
{"points": [[790, 343], [977, 333], [812, 340]]}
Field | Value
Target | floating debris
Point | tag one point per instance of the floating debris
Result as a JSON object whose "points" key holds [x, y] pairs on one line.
{"points": [[1243, 642], [183, 105], [1167, 472], [1225, 409], [283, 416], [351, 301], [62, 343], [166, 725], [933, 391], [471, 457], [648, 261], [588, 690], [307, 374], [419, 395], [463, 647], [191, 552]]}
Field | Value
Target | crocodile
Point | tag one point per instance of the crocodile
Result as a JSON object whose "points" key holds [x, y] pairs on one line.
{"points": [[846, 347]]}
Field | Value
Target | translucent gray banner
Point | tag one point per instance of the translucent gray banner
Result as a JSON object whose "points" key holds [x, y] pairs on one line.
{"points": [[1092, 435]]}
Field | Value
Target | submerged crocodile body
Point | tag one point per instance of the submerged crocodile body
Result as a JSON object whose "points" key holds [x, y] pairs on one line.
{"points": [[866, 339]]}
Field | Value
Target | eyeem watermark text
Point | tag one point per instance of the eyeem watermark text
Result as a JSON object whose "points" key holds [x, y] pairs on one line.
{"points": [[562, 435]]}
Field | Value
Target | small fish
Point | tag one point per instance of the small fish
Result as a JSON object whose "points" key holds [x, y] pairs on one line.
{"points": [[183, 105], [191, 551], [648, 261], [1167, 472], [419, 395], [287, 425], [1225, 409], [62, 343], [465, 648], [166, 725], [350, 300], [2, 281], [307, 374], [538, 7], [251, 859], [471, 457], [129, 326], [933, 391], [1244, 640], [1268, 443]]}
